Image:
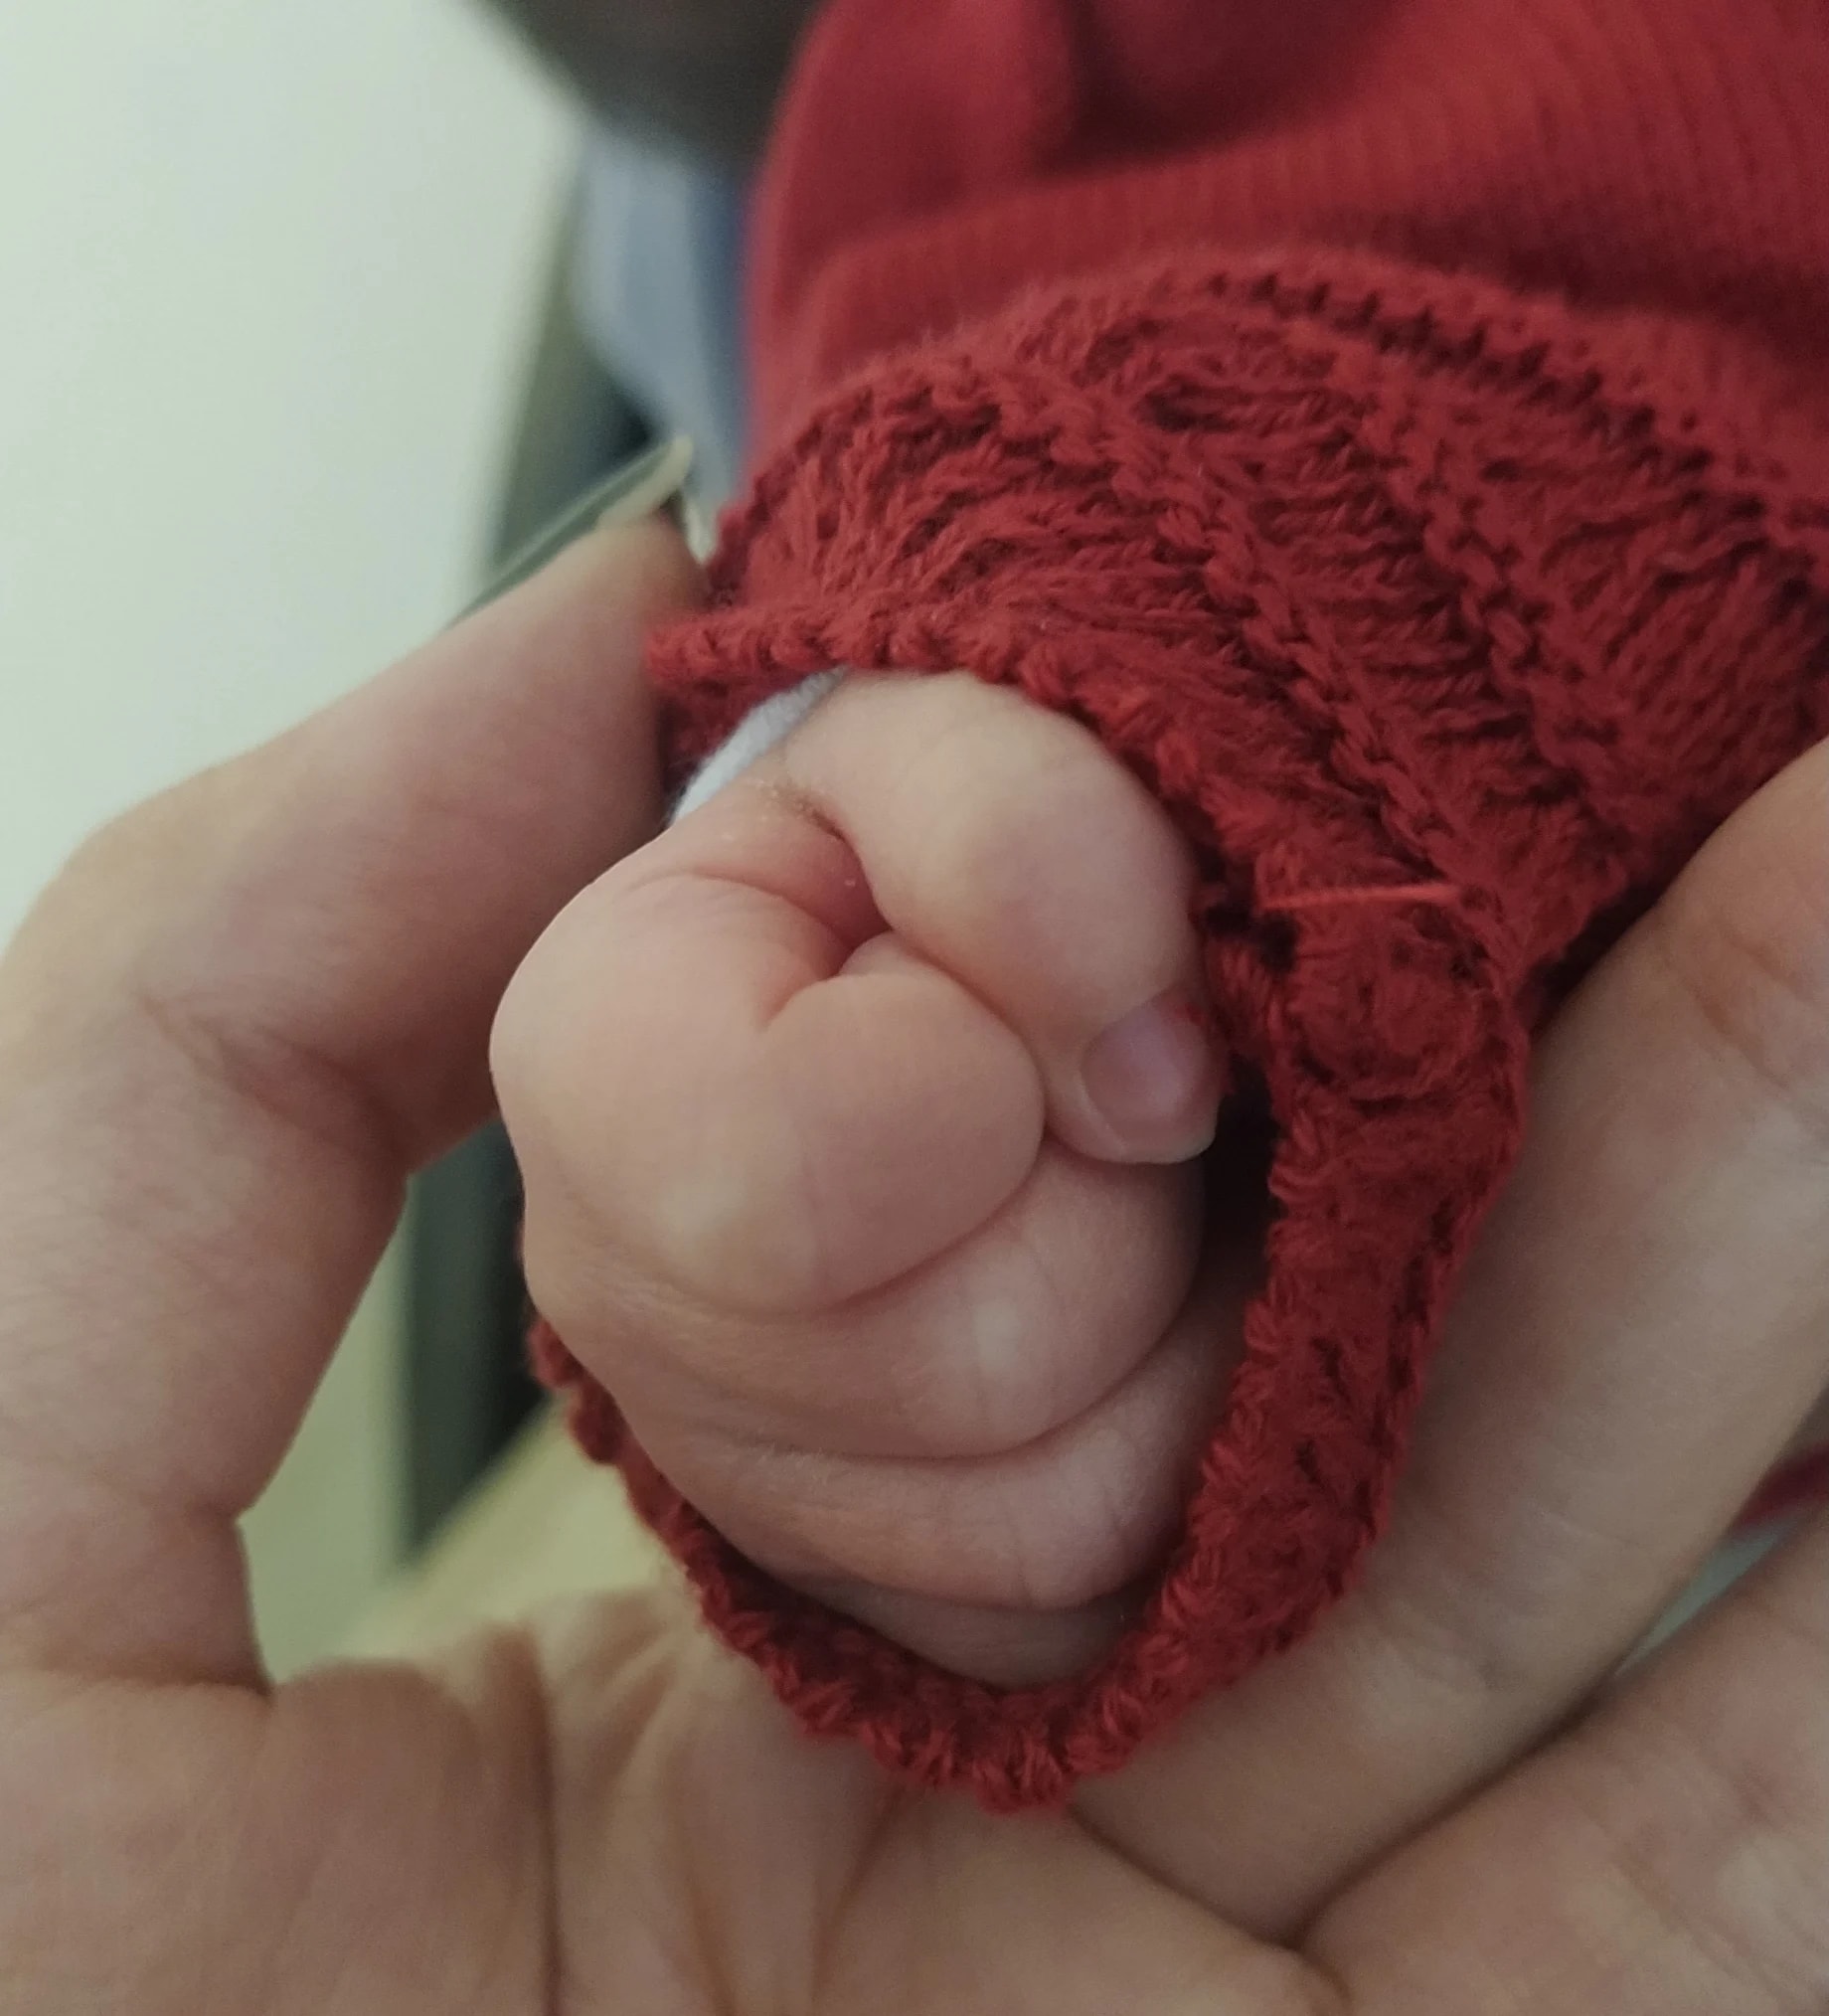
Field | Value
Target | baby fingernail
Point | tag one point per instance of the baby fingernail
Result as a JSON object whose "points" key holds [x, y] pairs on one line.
{"points": [[1155, 1080]]}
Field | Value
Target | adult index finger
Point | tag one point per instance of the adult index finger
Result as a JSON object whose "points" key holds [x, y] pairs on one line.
{"points": [[229, 1032]]}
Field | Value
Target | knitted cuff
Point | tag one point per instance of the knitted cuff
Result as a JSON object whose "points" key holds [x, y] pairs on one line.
{"points": [[1444, 627]]}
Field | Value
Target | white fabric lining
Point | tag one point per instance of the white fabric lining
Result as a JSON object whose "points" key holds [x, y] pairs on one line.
{"points": [[763, 728]]}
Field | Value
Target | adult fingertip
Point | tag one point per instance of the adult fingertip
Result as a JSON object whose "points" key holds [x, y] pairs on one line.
{"points": [[649, 553], [639, 490], [653, 484]]}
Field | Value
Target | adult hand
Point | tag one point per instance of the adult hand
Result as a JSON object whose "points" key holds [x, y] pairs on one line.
{"points": [[251, 1008]]}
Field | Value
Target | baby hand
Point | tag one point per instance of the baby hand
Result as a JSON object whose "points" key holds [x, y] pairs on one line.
{"points": [[856, 1115]]}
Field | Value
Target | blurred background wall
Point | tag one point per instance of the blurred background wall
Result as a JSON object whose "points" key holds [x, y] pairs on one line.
{"points": [[268, 275]]}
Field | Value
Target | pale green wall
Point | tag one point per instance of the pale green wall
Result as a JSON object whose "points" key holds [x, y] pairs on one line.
{"points": [[266, 275], [328, 1529]]}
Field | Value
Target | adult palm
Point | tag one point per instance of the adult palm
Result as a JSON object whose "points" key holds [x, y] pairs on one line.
{"points": [[251, 1008]]}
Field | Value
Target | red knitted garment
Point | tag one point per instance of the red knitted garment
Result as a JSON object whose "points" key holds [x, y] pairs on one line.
{"points": [[1396, 427]]}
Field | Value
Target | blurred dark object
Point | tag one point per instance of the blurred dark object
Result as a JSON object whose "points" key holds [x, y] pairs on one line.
{"points": [[467, 1385], [701, 72]]}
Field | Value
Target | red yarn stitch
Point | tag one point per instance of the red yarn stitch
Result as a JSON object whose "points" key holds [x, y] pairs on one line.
{"points": [[1436, 519], [1386, 891]]}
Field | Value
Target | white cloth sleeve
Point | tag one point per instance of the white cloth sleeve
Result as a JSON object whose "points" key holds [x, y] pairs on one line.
{"points": [[756, 733]]}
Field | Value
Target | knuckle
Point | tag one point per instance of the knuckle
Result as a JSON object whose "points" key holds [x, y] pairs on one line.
{"points": [[1045, 1311], [679, 1166], [736, 1206], [694, 1222], [739, 1243], [1000, 866], [1014, 1343], [984, 1377], [1066, 876], [1087, 1535]]}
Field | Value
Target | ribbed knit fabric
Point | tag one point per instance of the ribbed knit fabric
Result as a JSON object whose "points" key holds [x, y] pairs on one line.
{"points": [[1417, 474]]}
